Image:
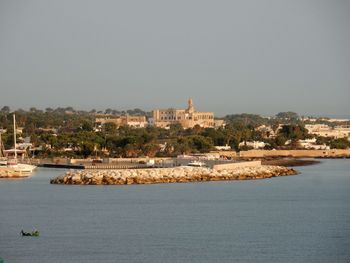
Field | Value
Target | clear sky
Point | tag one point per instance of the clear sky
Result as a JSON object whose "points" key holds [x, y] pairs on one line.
{"points": [[230, 56]]}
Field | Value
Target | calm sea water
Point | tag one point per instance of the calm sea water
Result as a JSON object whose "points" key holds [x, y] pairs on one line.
{"points": [[303, 218]]}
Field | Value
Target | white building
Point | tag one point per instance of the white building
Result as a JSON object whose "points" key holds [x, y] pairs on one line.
{"points": [[311, 144], [253, 144], [223, 148]]}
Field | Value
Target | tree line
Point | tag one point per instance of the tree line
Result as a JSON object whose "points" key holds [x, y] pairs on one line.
{"points": [[71, 133]]}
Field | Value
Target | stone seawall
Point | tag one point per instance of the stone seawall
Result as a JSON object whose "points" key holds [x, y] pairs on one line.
{"points": [[232, 166], [333, 153], [169, 175]]}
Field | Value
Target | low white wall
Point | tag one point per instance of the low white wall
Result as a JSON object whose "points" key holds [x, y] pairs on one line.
{"points": [[231, 166], [295, 153]]}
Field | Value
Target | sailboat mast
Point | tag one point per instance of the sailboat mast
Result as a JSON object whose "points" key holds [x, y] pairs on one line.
{"points": [[1, 150], [14, 135]]}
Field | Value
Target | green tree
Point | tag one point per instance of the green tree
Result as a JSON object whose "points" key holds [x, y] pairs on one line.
{"points": [[246, 119], [289, 115], [86, 149], [294, 132], [110, 128], [108, 111], [5, 109], [341, 143], [150, 149], [86, 126]]}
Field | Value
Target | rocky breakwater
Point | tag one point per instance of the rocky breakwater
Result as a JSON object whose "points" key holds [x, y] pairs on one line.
{"points": [[169, 175]]}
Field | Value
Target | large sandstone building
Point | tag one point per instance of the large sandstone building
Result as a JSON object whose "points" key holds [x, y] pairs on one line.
{"points": [[323, 130], [188, 118]]}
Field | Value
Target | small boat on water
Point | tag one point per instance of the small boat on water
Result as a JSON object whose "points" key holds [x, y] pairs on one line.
{"points": [[34, 233]]}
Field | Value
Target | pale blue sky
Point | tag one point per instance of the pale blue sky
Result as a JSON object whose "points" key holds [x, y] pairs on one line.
{"points": [[230, 56]]}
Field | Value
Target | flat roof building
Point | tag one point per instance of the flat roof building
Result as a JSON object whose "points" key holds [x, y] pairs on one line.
{"points": [[132, 121], [188, 118]]}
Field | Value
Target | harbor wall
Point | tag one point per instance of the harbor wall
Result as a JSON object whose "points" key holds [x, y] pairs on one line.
{"points": [[231, 166], [295, 153], [333, 153], [121, 160]]}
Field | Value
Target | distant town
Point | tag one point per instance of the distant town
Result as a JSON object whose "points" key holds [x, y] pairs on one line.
{"points": [[66, 132]]}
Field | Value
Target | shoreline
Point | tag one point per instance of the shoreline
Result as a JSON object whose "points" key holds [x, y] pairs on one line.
{"points": [[273, 157], [301, 153], [290, 162]]}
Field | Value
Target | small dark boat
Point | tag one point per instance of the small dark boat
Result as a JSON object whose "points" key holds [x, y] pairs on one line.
{"points": [[34, 233]]}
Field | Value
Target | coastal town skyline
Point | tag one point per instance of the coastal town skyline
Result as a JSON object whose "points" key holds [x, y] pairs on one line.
{"points": [[102, 110], [191, 131], [233, 57]]}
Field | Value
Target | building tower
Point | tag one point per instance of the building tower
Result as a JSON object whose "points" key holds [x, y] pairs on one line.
{"points": [[190, 108]]}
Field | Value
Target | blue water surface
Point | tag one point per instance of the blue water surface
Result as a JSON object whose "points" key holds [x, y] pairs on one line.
{"points": [[302, 218]]}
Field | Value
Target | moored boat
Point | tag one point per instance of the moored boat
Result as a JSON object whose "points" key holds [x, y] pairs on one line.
{"points": [[11, 166]]}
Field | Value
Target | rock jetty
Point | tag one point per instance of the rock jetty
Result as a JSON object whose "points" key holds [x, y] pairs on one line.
{"points": [[183, 174]]}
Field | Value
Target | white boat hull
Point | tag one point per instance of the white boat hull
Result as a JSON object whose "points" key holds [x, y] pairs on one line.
{"points": [[16, 171], [21, 167]]}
